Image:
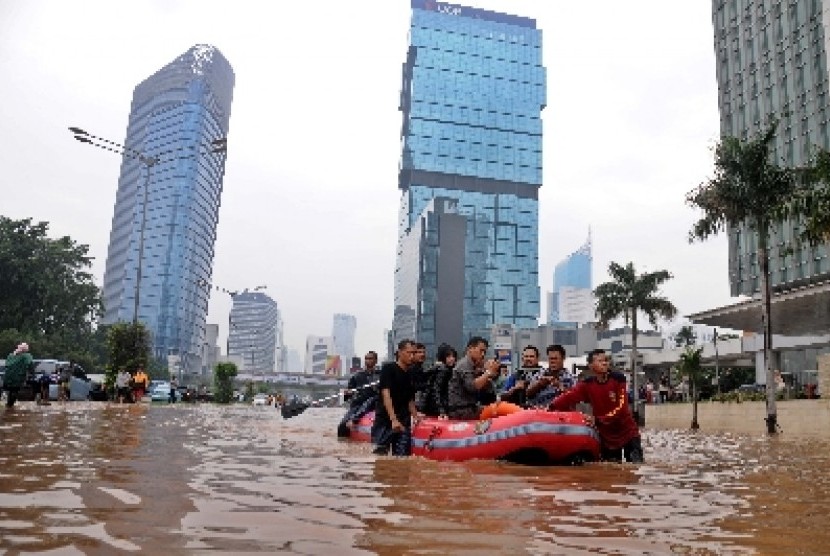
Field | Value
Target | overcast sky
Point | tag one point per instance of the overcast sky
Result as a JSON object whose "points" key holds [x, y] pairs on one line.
{"points": [[310, 200]]}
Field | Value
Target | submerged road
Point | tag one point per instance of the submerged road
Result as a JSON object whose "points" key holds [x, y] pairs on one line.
{"points": [[99, 478]]}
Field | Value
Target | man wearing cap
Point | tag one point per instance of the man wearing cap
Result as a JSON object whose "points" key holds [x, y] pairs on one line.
{"points": [[18, 365]]}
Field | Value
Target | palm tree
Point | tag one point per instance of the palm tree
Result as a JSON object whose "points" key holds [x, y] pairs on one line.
{"points": [[628, 295], [690, 366], [748, 189], [685, 337]]}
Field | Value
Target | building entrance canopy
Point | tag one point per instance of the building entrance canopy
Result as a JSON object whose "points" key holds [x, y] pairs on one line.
{"points": [[797, 312]]}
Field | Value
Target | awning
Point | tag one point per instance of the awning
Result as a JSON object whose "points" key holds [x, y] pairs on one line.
{"points": [[797, 312]]}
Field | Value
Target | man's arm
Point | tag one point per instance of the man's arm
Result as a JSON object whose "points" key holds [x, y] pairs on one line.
{"points": [[569, 399], [390, 409], [541, 383]]}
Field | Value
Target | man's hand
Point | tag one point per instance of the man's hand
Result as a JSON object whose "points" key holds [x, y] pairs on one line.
{"points": [[396, 425]]}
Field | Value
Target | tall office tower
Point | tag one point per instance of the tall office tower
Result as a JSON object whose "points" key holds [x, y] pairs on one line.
{"points": [[572, 300], [161, 245], [343, 330], [472, 93], [772, 63], [255, 327]]}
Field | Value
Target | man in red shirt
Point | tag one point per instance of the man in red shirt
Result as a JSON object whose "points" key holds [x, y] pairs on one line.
{"points": [[607, 394]]}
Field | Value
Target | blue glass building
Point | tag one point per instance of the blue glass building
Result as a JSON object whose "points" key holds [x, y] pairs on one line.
{"points": [[472, 94], [572, 298], [175, 115]]}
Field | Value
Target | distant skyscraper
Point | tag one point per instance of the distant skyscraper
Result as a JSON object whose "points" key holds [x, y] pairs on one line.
{"points": [[471, 99], [175, 115], [343, 330], [772, 62], [572, 300], [254, 332]]}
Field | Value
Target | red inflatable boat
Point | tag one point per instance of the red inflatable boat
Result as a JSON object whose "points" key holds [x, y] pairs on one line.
{"points": [[528, 436]]}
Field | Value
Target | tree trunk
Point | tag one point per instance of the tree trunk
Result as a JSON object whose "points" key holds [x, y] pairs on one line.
{"points": [[695, 424], [635, 410], [766, 306]]}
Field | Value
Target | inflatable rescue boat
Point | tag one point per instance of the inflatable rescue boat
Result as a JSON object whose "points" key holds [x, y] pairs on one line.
{"points": [[527, 436]]}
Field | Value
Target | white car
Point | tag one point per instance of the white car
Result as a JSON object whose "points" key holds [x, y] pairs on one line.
{"points": [[261, 399], [161, 392]]}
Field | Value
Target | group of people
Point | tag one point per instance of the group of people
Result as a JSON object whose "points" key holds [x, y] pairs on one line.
{"points": [[403, 391], [131, 387]]}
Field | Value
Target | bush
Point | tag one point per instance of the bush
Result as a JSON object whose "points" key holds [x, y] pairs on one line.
{"points": [[223, 375]]}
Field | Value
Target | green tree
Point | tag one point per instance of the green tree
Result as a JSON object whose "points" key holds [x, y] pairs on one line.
{"points": [[690, 367], [45, 287], [685, 337], [129, 346], [748, 188], [812, 200], [628, 295], [223, 375]]}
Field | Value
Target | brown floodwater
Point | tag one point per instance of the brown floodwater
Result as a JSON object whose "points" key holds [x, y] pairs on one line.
{"points": [[98, 478]]}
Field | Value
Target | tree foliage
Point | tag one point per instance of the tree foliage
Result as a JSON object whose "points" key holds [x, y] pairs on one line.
{"points": [[630, 293], [45, 286], [129, 346], [685, 337], [223, 375], [748, 188], [690, 366], [47, 296]]}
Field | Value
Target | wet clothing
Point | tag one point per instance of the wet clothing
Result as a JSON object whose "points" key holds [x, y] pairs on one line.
{"points": [[612, 414], [432, 401], [546, 395], [463, 399], [362, 400], [519, 397], [399, 383], [358, 383], [17, 368]]}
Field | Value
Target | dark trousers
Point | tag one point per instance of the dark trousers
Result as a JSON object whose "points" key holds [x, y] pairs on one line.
{"points": [[11, 396], [386, 440], [633, 452]]}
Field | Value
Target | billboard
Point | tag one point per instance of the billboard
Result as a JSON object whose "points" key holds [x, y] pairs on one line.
{"points": [[333, 365]]}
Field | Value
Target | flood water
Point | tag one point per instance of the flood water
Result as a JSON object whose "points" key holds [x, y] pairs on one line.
{"points": [[98, 478]]}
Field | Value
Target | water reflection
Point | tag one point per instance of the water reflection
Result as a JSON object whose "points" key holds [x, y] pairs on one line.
{"points": [[98, 478]]}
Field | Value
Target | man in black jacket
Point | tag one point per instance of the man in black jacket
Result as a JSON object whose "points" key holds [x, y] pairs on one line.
{"points": [[360, 393]]}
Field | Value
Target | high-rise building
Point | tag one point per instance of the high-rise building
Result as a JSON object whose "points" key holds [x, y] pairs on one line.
{"points": [[255, 332], [472, 94], [343, 330], [320, 357], [772, 63], [167, 204], [572, 300]]}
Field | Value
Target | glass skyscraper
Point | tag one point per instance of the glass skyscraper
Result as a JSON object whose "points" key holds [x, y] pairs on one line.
{"points": [[572, 299], [472, 94], [175, 115], [772, 62]]}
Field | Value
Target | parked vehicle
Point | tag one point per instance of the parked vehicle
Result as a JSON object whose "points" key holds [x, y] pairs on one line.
{"points": [[161, 392], [261, 399]]}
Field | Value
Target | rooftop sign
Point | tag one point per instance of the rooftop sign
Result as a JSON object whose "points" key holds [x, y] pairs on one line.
{"points": [[474, 13]]}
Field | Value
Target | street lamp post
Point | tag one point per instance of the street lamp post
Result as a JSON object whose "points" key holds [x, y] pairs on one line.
{"points": [[216, 146], [717, 367]]}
